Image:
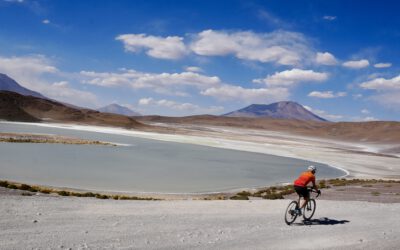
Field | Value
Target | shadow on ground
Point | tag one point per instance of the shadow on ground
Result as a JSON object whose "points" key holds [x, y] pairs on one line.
{"points": [[321, 221]]}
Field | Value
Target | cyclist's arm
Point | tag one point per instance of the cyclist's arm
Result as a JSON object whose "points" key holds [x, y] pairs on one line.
{"points": [[314, 185]]}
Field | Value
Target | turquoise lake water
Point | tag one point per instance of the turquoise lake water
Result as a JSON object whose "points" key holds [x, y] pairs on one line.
{"points": [[144, 166]]}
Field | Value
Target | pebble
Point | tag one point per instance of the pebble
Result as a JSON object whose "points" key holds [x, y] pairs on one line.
{"points": [[34, 221]]}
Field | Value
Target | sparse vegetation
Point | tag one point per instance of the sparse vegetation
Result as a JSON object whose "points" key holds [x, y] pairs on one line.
{"points": [[239, 197], [35, 189], [375, 193], [28, 138]]}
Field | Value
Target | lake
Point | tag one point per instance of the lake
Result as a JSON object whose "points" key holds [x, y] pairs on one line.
{"points": [[143, 165]]}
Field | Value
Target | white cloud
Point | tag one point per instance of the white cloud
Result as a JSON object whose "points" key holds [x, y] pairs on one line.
{"points": [[325, 58], [357, 96], [46, 21], [281, 47], [382, 84], [388, 89], [237, 93], [171, 47], [14, 1], [382, 65], [182, 107], [194, 69], [291, 77], [165, 83], [324, 114], [63, 92], [369, 119], [326, 94], [329, 18], [31, 72], [365, 111], [356, 64]]}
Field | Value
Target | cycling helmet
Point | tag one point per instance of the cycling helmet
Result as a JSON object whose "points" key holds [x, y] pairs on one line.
{"points": [[312, 168]]}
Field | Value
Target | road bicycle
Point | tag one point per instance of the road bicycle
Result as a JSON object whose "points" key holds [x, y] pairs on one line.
{"points": [[291, 212]]}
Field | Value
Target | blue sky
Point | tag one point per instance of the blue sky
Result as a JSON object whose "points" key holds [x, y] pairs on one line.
{"points": [[340, 59]]}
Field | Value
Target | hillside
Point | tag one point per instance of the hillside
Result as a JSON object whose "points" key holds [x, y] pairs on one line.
{"points": [[118, 109], [279, 110], [17, 107], [374, 131]]}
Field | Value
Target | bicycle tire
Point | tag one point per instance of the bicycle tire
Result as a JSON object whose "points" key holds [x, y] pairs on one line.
{"points": [[290, 213], [309, 209]]}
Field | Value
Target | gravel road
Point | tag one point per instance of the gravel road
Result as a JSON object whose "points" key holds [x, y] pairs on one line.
{"points": [[43, 222]]}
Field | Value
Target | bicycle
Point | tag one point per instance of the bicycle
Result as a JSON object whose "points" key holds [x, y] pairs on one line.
{"points": [[308, 211]]}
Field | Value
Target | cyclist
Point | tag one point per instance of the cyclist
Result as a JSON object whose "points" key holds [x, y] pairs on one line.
{"points": [[300, 185]]}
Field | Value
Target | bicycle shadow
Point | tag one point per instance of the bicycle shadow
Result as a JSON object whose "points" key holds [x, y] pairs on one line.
{"points": [[321, 221]]}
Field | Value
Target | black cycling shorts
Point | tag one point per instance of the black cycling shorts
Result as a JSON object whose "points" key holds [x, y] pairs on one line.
{"points": [[302, 191]]}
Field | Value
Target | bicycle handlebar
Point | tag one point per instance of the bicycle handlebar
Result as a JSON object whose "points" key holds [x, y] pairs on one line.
{"points": [[313, 191]]}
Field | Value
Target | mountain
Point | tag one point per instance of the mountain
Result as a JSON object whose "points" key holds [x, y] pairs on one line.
{"points": [[118, 109], [17, 107], [278, 110], [9, 84]]}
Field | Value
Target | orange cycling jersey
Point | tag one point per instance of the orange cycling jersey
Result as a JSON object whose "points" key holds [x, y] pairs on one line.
{"points": [[304, 179]]}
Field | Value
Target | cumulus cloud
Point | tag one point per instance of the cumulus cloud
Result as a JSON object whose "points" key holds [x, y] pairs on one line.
{"points": [[238, 93], [326, 94], [46, 21], [181, 107], [382, 65], [325, 58], [64, 92], [291, 77], [382, 84], [281, 47], [356, 64], [31, 72], [365, 111], [387, 91], [329, 18], [165, 83], [324, 114], [170, 47], [194, 69]]}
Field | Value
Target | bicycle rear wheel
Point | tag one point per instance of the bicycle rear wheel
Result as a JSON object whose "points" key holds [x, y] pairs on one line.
{"points": [[309, 209], [290, 213]]}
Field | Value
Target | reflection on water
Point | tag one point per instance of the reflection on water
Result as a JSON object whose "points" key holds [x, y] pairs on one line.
{"points": [[143, 166]]}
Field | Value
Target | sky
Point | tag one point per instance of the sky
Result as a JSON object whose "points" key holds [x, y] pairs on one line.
{"points": [[339, 59]]}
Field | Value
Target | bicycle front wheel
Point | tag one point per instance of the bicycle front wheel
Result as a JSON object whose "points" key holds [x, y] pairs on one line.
{"points": [[290, 213], [309, 209]]}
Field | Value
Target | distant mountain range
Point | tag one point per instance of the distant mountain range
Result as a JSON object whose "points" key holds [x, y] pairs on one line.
{"points": [[278, 110], [9, 84], [118, 109]]}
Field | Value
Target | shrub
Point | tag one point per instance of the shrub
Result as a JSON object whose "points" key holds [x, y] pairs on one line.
{"points": [[63, 193], [102, 196], [12, 186], [45, 191], [239, 197], [3, 184], [244, 193]]}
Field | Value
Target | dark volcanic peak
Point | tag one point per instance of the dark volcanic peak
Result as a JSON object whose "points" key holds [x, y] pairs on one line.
{"points": [[280, 110], [118, 109], [9, 84]]}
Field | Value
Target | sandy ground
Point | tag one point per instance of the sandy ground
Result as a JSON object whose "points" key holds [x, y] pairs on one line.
{"points": [[37, 222]]}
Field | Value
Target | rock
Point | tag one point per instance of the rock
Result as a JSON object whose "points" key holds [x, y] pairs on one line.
{"points": [[34, 221]]}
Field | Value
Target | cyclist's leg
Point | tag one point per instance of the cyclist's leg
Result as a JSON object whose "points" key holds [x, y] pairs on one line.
{"points": [[306, 199]]}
